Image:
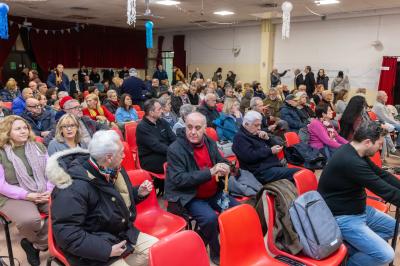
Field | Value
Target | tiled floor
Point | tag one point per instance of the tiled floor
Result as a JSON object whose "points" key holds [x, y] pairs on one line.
{"points": [[20, 255]]}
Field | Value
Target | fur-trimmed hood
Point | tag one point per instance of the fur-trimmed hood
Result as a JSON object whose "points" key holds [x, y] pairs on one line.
{"points": [[62, 164]]}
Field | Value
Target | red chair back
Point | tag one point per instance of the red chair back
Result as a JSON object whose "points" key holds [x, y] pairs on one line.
{"points": [[237, 248], [373, 116], [180, 249], [305, 181], [116, 129], [376, 159], [128, 162], [137, 177], [7, 105], [53, 249], [291, 139], [39, 139], [130, 135], [219, 107], [140, 114], [212, 133], [137, 107]]}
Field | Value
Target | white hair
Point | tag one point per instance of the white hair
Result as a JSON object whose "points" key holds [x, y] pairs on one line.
{"points": [[104, 142], [62, 94], [250, 117], [186, 109], [253, 102]]}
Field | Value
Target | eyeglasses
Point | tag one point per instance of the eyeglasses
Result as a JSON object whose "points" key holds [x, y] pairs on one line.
{"points": [[35, 106], [68, 126], [75, 108]]}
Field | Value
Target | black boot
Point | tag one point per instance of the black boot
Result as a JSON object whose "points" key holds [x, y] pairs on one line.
{"points": [[32, 254]]}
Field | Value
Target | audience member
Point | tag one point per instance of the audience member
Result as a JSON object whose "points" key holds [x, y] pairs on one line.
{"points": [[59, 79], [125, 112], [245, 102], [34, 87], [317, 97], [276, 77], [134, 86], [51, 96], [19, 103], [258, 90], [327, 98], [42, 88], [3, 110], [124, 72], [167, 113], [96, 111], [160, 74], [194, 165], [305, 110], [177, 75], [230, 78], [353, 116], [67, 135], [322, 78], [94, 76], [217, 77], [341, 82], [93, 205], [229, 121], [257, 152], [273, 103], [341, 103], [24, 190], [185, 110], [209, 109], [323, 135], [298, 78], [363, 228], [153, 136], [75, 87], [111, 102], [82, 72], [179, 97], [40, 120], [291, 114], [196, 75], [309, 81], [10, 91], [87, 83], [193, 95], [34, 76]]}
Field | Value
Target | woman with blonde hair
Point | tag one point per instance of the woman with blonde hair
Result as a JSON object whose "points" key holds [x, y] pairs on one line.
{"points": [[67, 135], [180, 97], [230, 119], [24, 187], [96, 111], [10, 91]]}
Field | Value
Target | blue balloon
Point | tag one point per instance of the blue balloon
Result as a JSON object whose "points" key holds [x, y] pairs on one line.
{"points": [[149, 34], [4, 21]]}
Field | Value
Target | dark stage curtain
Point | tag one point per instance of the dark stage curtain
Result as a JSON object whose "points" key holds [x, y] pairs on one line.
{"points": [[388, 77], [179, 52], [6, 45], [159, 47]]}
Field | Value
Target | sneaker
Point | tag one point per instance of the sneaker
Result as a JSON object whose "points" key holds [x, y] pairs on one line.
{"points": [[395, 153], [32, 254]]}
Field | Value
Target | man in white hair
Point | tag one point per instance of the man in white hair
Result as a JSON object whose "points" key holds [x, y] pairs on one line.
{"points": [[209, 108], [93, 205], [257, 152], [191, 186], [135, 87]]}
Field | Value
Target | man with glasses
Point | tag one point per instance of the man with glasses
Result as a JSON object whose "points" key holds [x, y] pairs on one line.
{"points": [[209, 109], [41, 120]]}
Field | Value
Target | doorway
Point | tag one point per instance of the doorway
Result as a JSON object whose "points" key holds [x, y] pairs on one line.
{"points": [[168, 63]]}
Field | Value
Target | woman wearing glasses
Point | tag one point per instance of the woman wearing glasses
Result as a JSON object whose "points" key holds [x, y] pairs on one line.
{"points": [[67, 135]]}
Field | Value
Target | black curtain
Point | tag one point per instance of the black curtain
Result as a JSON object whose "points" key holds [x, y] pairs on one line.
{"points": [[24, 33]]}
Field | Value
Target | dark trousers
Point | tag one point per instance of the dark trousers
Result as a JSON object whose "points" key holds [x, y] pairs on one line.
{"points": [[275, 173], [203, 211]]}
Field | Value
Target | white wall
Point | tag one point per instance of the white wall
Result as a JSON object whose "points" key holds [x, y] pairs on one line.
{"points": [[339, 45], [212, 48]]}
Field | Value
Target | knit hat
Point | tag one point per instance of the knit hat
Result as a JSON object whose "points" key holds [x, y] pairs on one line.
{"points": [[64, 100], [291, 97]]}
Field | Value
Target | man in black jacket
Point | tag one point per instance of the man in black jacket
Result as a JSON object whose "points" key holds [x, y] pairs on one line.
{"points": [[194, 163], [41, 120], [135, 87], [257, 153], [93, 205], [342, 185], [209, 109], [153, 136], [309, 81]]}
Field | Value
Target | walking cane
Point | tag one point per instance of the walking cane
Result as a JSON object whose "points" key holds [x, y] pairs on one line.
{"points": [[224, 201], [396, 231]]}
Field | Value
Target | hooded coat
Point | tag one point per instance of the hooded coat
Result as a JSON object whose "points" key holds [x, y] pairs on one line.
{"points": [[90, 215]]}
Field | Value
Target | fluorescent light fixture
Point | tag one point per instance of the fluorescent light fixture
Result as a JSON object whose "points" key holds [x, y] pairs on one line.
{"points": [[326, 2], [168, 2], [224, 13]]}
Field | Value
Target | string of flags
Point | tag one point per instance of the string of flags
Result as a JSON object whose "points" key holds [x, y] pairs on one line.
{"points": [[76, 28]]}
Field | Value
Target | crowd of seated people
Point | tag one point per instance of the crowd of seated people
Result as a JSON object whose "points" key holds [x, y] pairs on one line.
{"points": [[70, 121]]}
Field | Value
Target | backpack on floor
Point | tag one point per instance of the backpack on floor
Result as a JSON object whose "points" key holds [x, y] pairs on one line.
{"points": [[314, 223]]}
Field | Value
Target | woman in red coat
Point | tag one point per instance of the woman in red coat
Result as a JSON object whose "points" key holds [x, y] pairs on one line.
{"points": [[96, 111]]}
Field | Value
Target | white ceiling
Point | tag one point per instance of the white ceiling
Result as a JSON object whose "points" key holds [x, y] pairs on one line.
{"points": [[113, 12]]}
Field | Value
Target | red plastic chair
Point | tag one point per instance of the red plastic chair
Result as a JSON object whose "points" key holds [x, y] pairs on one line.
{"points": [[55, 253], [333, 260], [128, 163], [305, 181], [219, 107], [151, 219], [291, 139], [239, 248], [116, 129], [180, 249], [212, 133], [373, 116], [159, 176], [7, 105], [137, 107], [39, 139], [140, 114], [130, 136], [376, 159]]}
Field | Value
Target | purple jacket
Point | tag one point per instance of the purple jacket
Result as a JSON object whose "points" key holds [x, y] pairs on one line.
{"points": [[319, 136]]}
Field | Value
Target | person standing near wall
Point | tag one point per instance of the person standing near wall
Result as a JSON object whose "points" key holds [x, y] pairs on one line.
{"points": [[309, 81]]}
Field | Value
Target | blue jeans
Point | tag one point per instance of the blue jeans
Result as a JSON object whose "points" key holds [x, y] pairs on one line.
{"points": [[203, 212], [367, 235], [275, 173]]}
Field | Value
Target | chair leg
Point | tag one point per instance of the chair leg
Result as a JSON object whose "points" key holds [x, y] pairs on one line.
{"points": [[8, 240]]}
